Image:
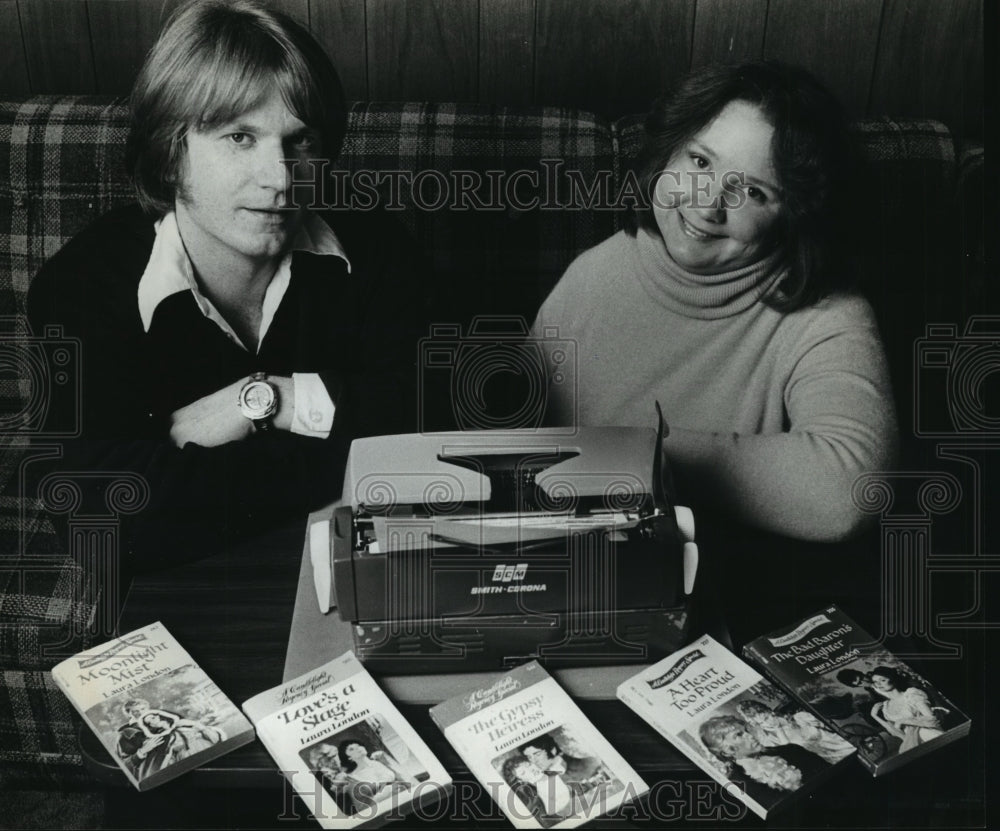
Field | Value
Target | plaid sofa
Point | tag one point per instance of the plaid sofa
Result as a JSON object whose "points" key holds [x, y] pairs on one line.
{"points": [[525, 187]]}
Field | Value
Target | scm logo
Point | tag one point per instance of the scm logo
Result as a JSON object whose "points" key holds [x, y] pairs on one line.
{"points": [[505, 574]]}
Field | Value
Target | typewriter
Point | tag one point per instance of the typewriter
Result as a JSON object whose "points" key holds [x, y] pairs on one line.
{"points": [[470, 551]]}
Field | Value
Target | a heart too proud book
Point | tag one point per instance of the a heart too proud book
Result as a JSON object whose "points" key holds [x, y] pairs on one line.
{"points": [[744, 732]]}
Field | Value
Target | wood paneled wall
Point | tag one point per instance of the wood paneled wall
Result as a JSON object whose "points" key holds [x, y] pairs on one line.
{"points": [[900, 57]]}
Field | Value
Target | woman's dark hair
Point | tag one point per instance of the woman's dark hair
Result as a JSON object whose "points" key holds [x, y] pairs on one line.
{"points": [[214, 61], [544, 742], [851, 677], [347, 763], [166, 723], [812, 157], [895, 677]]}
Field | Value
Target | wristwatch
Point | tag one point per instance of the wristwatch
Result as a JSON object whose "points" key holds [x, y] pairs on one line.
{"points": [[258, 401]]}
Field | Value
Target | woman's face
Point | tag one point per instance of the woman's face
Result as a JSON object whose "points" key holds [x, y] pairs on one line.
{"points": [[156, 720], [737, 743], [529, 772], [761, 718], [882, 684], [717, 203], [356, 752]]}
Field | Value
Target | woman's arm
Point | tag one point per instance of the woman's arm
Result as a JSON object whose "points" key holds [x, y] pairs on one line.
{"points": [[382, 758], [888, 725], [842, 424]]}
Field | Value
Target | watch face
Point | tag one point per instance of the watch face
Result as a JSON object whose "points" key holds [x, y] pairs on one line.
{"points": [[257, 400]]}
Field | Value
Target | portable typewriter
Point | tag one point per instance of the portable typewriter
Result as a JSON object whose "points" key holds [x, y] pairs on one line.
{"points": [[477, 550]]}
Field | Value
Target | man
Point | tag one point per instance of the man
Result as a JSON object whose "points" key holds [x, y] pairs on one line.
{"points": [[233, 342], [580, 773], [133, 736]]}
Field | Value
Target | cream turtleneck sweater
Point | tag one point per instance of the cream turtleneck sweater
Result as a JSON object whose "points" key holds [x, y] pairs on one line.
{"points": [[772, 415]]}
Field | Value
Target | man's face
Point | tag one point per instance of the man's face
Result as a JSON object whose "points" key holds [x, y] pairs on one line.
{"points": [[538, 757], [232, 203], [137, 709]]}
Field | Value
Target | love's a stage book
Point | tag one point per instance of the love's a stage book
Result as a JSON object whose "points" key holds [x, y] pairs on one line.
{"points": [[153, 708], [535, 752], [345, 748], [735, 725], [836, 669]]}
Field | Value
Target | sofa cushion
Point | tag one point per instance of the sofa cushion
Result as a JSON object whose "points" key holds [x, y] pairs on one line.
{"points": [[38, 733], [503, 256], [65, 162], [63, 167]]}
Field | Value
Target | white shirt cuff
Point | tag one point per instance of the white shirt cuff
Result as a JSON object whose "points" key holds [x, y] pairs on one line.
{"points": [[313, 413]]}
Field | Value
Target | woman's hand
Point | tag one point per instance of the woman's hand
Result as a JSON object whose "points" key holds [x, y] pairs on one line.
{"points": [[888, 725], [216, 418], [148, 746]]}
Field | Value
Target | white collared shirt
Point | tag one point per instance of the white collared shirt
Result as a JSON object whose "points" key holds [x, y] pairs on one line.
{"points": [[170, 271]]}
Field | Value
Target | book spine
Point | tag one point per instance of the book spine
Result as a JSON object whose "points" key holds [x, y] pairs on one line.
{"points": [[756, 659]]}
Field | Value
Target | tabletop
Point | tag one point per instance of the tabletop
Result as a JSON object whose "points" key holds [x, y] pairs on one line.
{"points": [[233, 613]]}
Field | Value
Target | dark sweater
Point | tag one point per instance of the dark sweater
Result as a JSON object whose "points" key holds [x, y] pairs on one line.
{"points": [[357, 330]]}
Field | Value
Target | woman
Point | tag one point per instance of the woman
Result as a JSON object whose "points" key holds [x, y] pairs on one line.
{"points": [[171, 738], [547, 798], [323, 760], [724, 303], [371, 776], [801, 728], [906, 713], [765, 774]]}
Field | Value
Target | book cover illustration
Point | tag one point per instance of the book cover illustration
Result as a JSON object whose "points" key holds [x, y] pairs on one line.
{"points": [[859, 688], [153, 708], [344, 746], [735, 725], [535, 752]]}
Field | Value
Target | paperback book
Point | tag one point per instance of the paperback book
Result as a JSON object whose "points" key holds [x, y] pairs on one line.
{"points": [[860, 689], [535, 752], [735, 725], [345, 748], [153, 708]]}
